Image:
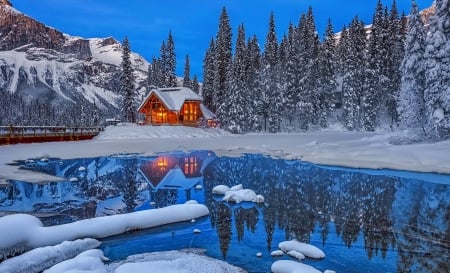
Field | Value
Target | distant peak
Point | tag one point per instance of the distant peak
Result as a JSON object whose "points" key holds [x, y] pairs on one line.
{"points": [[5, 3]]}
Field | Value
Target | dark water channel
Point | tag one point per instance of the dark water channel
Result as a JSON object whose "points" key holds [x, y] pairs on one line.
{"points": [[364, 220]]}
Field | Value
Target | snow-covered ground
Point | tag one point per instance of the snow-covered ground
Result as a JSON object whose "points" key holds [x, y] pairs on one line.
{"points": [[337, 148]]}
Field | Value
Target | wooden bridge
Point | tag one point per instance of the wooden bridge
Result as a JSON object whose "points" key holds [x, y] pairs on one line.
{"points": [[32, 134]]}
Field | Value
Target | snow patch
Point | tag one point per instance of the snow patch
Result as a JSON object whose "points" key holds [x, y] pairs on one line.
{"points": [[42, 258], [89, 261]]}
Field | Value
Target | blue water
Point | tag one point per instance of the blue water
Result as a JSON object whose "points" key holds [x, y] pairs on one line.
{"points": [[364, 220]]}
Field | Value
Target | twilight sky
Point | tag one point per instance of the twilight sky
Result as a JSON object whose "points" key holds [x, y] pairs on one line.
{"points": [[193, 22]]}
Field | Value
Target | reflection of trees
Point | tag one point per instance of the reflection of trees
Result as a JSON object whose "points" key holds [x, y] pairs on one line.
{"points": [[165, 197], [128, 185], [301, 196], [245, 218], [423, 224], [223, 225]]}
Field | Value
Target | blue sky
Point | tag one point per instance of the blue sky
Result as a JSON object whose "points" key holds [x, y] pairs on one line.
{"points": [[192, 22]]}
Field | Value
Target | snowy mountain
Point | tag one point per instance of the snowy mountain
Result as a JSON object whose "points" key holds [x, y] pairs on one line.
{"points": [[37, 61]]}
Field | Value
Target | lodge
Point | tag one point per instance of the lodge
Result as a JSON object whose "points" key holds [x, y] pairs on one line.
{"points": [[176, 106]]}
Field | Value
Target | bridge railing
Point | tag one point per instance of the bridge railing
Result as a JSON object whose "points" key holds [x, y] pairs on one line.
{"points": [[17, 131]]}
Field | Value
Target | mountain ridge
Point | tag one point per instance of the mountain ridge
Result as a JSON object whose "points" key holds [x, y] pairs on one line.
{"points": [[38, 61]]}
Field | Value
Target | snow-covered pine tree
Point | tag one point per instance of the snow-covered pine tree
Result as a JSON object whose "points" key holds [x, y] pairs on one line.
{"points": [[187, 74], [354, 76], [270, 92], [208, 91], [253, 84], [375, 80], [327, 76], [437, 72], [292, 75], [171, 62], [222, 62], [195, 85], [236, 105], [164, 59], [396, 38], [127, 89], [411, 106]]}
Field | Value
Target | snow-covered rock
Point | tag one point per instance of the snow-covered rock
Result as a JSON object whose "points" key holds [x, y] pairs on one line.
{"points": [[27, 232], [306, 249], [237, 187], [239, 196], [292, 267], [259, 254], [296, 254], [89, 261], [277, 253], [220, 189], [198, 187], [259, 199], [42, 258]]}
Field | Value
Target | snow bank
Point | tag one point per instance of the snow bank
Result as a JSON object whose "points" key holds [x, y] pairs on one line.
{"points": [[26, 230], [42, 258], [89, 261], [174, 262], [150, 132], [306, 249], [292, 267]]}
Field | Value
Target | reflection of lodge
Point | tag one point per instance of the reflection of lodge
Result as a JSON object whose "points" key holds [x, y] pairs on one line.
{"points": [[176, 171]]}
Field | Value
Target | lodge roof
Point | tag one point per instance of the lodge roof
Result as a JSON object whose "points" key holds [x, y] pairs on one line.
{"points": [[173, 97]]}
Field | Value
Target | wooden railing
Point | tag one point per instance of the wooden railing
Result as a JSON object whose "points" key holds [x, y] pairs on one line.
{"points": [[28, 134]]}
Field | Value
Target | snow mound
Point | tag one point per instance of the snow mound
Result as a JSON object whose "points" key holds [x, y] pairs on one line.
{"points": [[277, 253], [220, 189], [292, 267], [27, 231], [174, 262], [237, 194], [89, 261], [132, 131], [306, 249], [42, 258]]}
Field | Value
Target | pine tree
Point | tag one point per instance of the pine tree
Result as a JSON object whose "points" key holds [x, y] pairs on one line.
{"points": [[354, 74], [411, 106], [127, 88], [327, 75], [396, 40], [236, 105], [195, 85], [171, 62], [187, 74], [222, 65], [271, 101], [208, 91], [253, 83], [437, 72]]}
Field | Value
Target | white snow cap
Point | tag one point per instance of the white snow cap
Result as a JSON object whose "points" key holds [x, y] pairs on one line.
{"points": [[306, 249], [292, 267]]}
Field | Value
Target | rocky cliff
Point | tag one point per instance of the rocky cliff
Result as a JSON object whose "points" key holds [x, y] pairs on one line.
{"points": [[37, 61]]}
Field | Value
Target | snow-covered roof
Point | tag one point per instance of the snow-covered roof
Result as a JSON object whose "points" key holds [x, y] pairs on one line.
{"points": [[207, 114], [173, 98]]}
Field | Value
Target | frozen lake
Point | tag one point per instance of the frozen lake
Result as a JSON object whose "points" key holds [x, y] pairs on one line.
{"points": [[364, 220]]}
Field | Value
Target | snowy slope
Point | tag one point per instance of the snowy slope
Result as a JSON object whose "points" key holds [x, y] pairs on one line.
{"points": [[37, 61]]}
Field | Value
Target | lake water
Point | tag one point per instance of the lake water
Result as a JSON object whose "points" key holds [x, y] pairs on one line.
{"points": [[364, 220]]}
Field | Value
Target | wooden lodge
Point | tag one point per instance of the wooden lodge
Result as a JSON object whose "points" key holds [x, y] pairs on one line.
{"points": [[176, 106]]}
